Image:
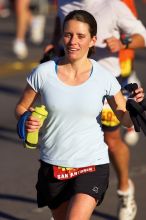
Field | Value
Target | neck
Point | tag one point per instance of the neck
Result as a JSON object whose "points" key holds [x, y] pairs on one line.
{"points": [[74, 73], [78, 67]]}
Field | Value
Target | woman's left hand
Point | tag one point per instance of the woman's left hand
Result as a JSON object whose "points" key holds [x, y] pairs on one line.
{"points": [[138, 94]]}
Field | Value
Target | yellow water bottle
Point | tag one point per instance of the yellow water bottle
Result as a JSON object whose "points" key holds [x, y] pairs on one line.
{"points": [[32, 137]]}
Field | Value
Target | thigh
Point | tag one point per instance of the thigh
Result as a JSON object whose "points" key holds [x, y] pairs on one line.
{"points": [[81, 206], [113, 139], [60, 212], [112, 134]]}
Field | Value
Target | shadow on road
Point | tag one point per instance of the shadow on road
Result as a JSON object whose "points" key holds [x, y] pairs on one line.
{"points": [[14, 198], [17, 198], [10, 90], [23, 199], [9, 217], [104, 216], [5, 133]]}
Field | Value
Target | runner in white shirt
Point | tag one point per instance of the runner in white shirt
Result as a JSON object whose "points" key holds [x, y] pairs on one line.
{"points": [[112, 17]]}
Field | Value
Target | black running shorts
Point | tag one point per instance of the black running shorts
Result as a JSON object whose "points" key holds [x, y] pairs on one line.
{"points": [[52, 192]]}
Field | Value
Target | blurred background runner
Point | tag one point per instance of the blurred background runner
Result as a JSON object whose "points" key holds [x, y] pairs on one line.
{"points": [[30, 16], [128, 73]]}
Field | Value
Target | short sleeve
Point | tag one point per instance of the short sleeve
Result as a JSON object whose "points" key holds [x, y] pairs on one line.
{"points": [[35, 80], [113, 86]]}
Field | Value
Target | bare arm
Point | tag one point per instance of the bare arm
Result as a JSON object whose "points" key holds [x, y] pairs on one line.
{"points": [[118, 105], [26, 101], [116, 45], [127, 24]]}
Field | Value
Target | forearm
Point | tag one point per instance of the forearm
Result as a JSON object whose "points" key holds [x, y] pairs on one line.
{"points": [[118, 105], [19, 110], [26, 101], [125, 119], [137, 41], [133, 42]]}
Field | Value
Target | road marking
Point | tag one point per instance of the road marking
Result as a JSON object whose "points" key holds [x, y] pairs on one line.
{"points": [[17, 67]]}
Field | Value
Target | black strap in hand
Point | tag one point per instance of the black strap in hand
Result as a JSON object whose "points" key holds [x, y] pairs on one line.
{"points": [[136, 110]]}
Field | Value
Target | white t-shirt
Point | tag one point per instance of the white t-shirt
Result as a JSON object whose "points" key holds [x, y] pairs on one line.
{"points": [[72, 135], [111, 16]]}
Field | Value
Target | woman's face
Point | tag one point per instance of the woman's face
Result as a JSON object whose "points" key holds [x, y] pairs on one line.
{"points": [[77, 39]]}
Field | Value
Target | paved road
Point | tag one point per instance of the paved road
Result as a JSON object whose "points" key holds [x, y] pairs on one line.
{"points": [[18, 166]]}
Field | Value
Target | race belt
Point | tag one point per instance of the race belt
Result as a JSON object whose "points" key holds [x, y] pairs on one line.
{"points": [[64, 173]]}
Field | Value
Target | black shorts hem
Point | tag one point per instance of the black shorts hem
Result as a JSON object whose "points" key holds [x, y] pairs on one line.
{"points": [[98, 199], [110, 128]]}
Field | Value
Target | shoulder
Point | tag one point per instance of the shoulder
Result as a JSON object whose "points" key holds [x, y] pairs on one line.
{"points": [[117, 3], [43, 70], [39, 75], [120, 7], [105, 79], [44, 66], [101, 70]]}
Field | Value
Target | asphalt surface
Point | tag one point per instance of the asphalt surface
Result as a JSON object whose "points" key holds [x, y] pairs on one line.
{"points": [[18, 166]]}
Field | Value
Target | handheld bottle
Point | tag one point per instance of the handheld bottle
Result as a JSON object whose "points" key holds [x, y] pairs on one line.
{"points": [[32, 137]]}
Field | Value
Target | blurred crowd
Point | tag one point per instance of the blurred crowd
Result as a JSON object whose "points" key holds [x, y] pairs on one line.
{"points": [[31, 18]]}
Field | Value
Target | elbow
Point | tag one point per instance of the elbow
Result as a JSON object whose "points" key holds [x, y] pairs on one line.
{"points": [[127, 123], [126, 120], [16, 113], [19, 110]]}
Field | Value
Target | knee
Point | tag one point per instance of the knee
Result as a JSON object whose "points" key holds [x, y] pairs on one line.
{"points": [[113, 142]]}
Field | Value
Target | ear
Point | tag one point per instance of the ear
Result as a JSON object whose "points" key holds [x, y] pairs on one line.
{"points": [[93, 41]]}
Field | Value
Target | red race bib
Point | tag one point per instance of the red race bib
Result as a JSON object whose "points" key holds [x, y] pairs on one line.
{"points": [[64, 173]]}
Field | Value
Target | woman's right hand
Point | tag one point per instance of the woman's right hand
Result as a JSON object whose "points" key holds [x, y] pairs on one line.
{"points": [[32, 124]]}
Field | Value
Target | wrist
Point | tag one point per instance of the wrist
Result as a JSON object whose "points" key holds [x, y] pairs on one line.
{"points": [[126, 41]]}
